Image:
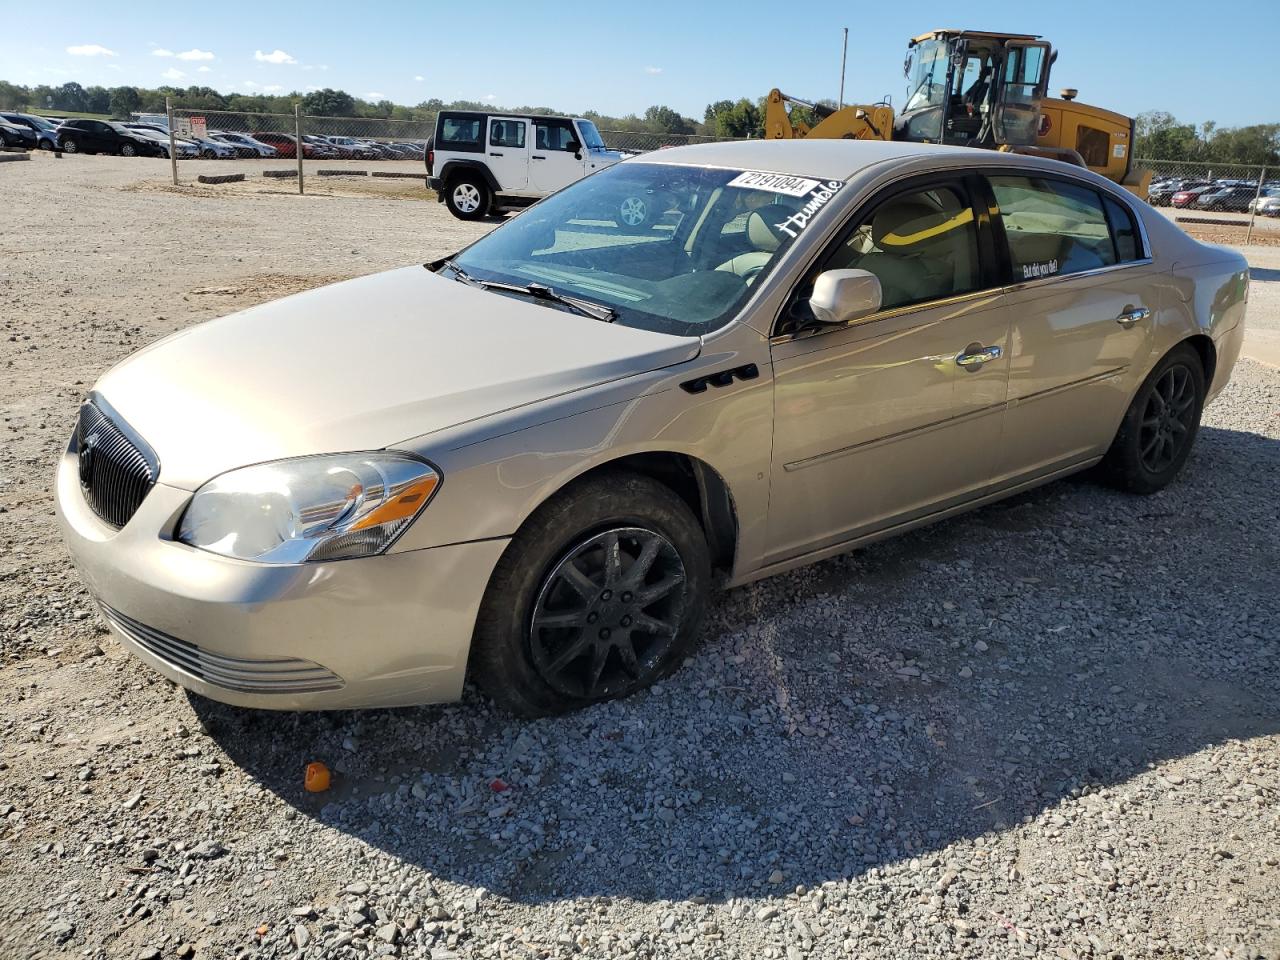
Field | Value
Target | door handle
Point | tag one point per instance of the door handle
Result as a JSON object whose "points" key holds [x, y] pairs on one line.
{"points": [[497, 154], [975, 355], [1132, 315], [536, 157]]}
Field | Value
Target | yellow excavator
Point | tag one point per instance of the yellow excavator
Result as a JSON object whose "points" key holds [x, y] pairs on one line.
{"points": [[977, 89]]}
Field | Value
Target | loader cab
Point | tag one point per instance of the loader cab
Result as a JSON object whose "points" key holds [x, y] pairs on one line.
{"points": [[974, 89]]}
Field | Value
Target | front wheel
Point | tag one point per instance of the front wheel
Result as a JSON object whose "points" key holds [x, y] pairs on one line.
{"points": [[128, 150], [634, 211], [600, 594], [467, 198], [1158, 429], [70, 146]]}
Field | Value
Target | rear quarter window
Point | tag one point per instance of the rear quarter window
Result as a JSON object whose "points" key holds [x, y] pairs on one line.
{"points": [[1053, 227], [461, 133]]}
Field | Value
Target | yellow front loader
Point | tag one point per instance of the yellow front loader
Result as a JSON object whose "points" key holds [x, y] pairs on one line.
{"points": [[977, 89]]}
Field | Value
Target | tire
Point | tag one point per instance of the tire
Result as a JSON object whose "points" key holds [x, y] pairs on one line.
{"points": [[468, 197], [207, 154], [128, 150], [46, 145], [70, 146], [1160, 426], [550, 596]]}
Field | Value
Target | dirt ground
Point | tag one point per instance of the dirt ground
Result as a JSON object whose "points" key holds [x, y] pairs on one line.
{"points": [[1047, 729]]}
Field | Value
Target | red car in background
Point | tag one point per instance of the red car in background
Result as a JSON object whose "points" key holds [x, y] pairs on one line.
{"points": [[286, 145], [1184, 198]]}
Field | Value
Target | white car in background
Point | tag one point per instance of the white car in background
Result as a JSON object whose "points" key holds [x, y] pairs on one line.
{"points": [[482, 163], [243, 144]]}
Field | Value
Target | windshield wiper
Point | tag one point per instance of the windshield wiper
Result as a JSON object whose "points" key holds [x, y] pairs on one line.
{"points": [[540, 291], [460, 274]]}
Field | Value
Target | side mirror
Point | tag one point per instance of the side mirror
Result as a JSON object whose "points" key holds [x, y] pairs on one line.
{"points": [[840, 296]]}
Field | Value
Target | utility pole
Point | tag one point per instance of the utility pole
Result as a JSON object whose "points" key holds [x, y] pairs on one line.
{"points": [[843, 57], [297, 135], [173, 149]]}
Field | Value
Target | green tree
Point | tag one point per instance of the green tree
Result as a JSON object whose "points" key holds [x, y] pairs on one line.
{"points": [[97, 100], [329, 103], [124, 101], [13, 96], [726, 118], [1159, 136], [71, 97], [662, 119]]}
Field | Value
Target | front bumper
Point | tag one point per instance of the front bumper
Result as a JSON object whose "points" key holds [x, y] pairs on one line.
{"points": [[393, 630]]}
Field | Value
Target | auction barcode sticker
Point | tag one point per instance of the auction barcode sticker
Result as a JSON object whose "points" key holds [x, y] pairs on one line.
{"points": [[774, 182]]}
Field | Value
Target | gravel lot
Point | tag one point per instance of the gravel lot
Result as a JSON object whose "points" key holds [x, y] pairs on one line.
{"points": [[1050, 728]]}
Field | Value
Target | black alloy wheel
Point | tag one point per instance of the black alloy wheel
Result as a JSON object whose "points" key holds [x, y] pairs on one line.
{"points": [[1168, 421], [608, 613]]}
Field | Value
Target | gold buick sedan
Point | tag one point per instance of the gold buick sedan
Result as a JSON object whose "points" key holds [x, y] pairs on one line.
{"points": [[532, 461]]}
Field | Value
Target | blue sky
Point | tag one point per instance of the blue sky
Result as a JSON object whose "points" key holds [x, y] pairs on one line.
{"points": [[621, 57]]}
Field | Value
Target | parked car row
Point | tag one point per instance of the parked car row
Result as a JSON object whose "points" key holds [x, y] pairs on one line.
{"points": [[136, 138], [1220, 195]]}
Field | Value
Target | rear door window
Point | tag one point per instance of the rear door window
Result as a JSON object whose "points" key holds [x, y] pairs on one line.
{"points": [[507, 133], [1053, 227]]}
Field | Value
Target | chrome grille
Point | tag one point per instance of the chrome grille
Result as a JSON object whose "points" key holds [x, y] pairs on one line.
{"points": [[117, 467], [246, 675]]}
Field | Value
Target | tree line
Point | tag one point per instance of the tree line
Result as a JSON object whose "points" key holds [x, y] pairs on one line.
{"points": [[1159, 135]]}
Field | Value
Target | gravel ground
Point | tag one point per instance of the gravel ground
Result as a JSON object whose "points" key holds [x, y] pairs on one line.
{"points": [[1047, 728]]}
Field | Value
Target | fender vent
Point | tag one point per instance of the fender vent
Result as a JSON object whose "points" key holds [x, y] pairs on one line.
{"points": [[721, 379]]}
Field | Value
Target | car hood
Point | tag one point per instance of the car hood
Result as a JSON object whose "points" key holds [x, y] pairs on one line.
{"points": [[362, 365]]}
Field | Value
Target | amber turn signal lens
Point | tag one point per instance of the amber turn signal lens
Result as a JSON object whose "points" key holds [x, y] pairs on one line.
{"points": [[402, 506], [316, 779]]}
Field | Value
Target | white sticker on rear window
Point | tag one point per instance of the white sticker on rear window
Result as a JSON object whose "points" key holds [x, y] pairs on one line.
{"points": [[773, 182]]}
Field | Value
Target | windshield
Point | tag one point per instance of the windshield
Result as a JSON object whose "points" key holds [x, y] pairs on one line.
{"points": [[590, 135], [668, 248], [927, 79]]}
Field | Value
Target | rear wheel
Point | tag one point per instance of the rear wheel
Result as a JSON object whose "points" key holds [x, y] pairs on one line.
{"points": [[467, 197], [1160, 426], [600, 594], [70, 146], [127, 150]]}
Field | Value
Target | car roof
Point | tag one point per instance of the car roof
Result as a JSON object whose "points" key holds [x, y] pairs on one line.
{"points": [[825, 159]]}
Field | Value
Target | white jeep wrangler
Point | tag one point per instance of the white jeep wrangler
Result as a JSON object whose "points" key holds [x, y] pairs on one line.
{"points": [[483, 163]]}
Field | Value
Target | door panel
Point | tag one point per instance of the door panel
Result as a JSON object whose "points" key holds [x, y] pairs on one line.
{"points": [[876, 423], [552, 164], [508, 152], [1071, 365]]}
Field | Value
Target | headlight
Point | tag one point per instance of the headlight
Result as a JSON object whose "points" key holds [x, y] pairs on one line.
{"points": [[329, 507]]}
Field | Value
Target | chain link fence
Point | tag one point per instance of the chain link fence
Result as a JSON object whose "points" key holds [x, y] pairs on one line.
{"points": [[331, 146], [1236, 201]]}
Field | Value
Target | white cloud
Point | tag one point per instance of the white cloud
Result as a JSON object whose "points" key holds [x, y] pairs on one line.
{"points": [[90, 50], [173, 74], [490, 97], [272, 88], [653, 70], [195, 54], [204, 69], [161, 52], [248, 83], [419, 79], [374, 95], [275, 56]]}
